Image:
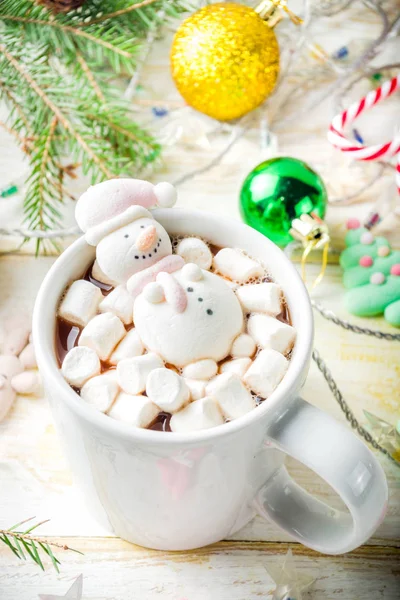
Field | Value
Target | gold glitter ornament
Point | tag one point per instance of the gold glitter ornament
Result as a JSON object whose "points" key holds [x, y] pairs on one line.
{"points": [[225, 60]]}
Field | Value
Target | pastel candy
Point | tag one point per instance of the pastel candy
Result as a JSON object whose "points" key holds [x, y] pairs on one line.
{"points": [[356, 276], [350, 257], [371, 300], [26, 383], [27, 357]]}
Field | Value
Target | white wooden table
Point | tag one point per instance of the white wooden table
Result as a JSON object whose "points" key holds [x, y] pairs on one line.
{"points": [[35, 480]]}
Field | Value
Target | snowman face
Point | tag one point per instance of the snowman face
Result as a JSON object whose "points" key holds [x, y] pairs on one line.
{"points": [[132, 248], [203, 326]]}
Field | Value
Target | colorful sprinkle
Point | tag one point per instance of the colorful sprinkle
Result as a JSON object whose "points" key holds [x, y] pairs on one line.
{"points": [[367, 238], [353, 224], [395, 270], [366, 261], [377, 278], [383, 251]]}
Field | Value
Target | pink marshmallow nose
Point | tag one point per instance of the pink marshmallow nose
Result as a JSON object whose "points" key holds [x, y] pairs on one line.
{"points": [[146, 238]]}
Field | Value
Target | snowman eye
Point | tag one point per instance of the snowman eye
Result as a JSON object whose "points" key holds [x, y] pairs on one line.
{"points": [[189, 289], [209, 311], [200, 299], [142, 227], [126, 235]]}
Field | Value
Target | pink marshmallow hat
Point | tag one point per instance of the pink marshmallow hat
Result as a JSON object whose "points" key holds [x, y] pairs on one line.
{"points": [[112, 204]]}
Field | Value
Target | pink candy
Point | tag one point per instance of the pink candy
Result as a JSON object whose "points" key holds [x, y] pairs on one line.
{"points": [[395, 270], [377, 278], [383, 251], [353, 223], [366, 261], [367, 238]]}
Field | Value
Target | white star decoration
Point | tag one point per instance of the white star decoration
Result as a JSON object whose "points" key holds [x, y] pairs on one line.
{"points": [[73, 593], [289, 583]]}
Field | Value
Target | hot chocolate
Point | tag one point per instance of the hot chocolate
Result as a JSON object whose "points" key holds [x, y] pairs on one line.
{"points": [[180, 343]]}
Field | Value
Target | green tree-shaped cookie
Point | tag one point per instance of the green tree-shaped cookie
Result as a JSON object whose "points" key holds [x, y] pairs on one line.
{"points": [[371, 275]]}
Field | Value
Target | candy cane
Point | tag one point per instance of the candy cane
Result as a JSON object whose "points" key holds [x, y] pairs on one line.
{"points": [[357, 150]]}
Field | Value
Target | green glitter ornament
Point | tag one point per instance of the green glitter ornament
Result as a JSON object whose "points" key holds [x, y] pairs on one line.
{"points": [[278, 191]]}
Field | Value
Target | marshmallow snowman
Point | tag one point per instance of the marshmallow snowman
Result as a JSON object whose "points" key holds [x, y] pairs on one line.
{"points": [[188, 316], [114, 217]]}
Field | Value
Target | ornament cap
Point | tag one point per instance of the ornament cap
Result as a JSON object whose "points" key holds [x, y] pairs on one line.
{"points": [[272, 12], [310, 228]]}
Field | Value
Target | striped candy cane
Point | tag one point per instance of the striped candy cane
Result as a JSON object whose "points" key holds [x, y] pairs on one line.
{"points": [[357, 150]]}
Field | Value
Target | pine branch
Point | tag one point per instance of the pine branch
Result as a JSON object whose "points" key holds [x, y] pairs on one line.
{"points": [[118, 13], [21, 542]]}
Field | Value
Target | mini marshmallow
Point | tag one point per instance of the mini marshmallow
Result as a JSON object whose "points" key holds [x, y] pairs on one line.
{"points": [[130, 346], [232, 396], [120, 303], [201, 369], [17, 339], [260, 297], [244, 345], [166, 194], [10, 365], [102, 334], [132, 373], [80, 303], [98, 274], [101, 391], [200, 414], [271, 333], [167, 389], [26, 383], [266, 372], [79, 365], [197, 388], [28, 358], [138, 411], [194, 250], [235, 265], [237, 366]]}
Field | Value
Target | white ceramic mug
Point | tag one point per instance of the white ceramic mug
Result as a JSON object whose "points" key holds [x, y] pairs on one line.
{"points": [[182, 491]]}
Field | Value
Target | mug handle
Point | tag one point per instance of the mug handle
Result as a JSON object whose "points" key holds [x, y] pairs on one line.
{"points": [[331, 450]]}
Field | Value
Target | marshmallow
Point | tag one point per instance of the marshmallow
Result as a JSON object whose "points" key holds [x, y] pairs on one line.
{"points": [[26, 383], [266, 372], [166, 194], [232, 396], [10, 365], [205, 329], [28, 358], [194, 250], [138, 411], [17, 339], [102, 334], [260, 297], [101, 391], [80, 303], [197, 388], [238, 366], [130, 346], [271, 333], [132, 373], [200, 414], [79, 364], [244, 345], [167, 389], [237, 266], [120, 303], [98, 274], [201, 369]]}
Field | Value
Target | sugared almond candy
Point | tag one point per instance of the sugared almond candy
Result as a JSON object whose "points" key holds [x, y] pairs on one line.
{"points": [[132, 373], [232, 396], [237, 366], [197, 388], [130, 346], [101, 391], [260, 297], [28, 358], [10, 365], [266, 372], [26, 383], [167, 389], [98, 274], [235, 265], [120, 303], [244, 345], [200, 414], [16, 340], [138, 411], [201, 369], [268, 332], [194, 250], [79, 365], [80, 303], [102, 334]]}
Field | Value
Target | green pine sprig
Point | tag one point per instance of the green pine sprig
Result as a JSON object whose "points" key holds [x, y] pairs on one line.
{"points": [[56, 78], [23, 544]]}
